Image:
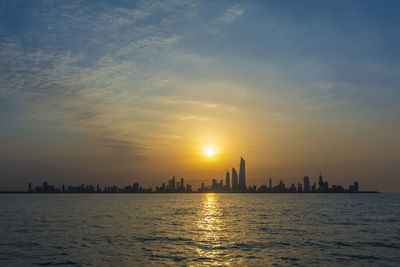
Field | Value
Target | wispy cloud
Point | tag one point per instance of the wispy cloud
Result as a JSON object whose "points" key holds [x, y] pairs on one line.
{"points": [[232, 14]]}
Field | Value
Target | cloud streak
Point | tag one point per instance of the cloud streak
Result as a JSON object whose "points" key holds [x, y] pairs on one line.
{"points": [[232, 14]]}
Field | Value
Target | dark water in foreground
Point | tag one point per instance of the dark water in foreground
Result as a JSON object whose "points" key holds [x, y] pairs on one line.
{"points": [[200, 229]]}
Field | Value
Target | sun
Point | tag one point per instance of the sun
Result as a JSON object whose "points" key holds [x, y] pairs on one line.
{"points": [[209, 151]]}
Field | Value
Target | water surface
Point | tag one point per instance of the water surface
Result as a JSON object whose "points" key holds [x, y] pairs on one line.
{"points": [[200, 229]]}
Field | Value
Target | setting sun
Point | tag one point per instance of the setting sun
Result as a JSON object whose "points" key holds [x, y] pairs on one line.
{"points": [[209, 151]]}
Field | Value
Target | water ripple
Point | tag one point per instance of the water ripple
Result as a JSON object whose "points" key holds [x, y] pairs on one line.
{"points": [[200, 229]]}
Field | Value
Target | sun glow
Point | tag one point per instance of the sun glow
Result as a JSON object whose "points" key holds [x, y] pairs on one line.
{"points": [[209, 151]]}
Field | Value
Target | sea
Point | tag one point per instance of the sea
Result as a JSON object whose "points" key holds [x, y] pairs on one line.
{"points": [[200, 229]]}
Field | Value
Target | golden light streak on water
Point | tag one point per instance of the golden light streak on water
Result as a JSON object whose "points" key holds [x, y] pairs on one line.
{"points": [[211, 228]]}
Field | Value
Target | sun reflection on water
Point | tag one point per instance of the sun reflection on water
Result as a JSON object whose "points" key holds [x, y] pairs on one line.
{"points": [[210, 231]]}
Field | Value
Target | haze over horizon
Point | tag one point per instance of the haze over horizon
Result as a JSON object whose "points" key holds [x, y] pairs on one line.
{"points": [[138, 91]]}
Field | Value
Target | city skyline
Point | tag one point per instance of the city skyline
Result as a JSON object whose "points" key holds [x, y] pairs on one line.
{"points": [[176, 185], [214, 187]]}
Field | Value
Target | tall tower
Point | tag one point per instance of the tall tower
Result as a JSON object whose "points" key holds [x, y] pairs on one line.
{"points": [[235, 186], [173, 184], [320, 183], [356, 186], [242, 175], [227, 180], [306, 183]]}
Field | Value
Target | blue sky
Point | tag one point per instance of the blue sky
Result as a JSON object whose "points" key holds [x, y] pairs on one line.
{"points": [[101, 91]]}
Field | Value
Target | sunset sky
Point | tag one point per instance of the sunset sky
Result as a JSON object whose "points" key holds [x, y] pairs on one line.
{"points": [[98, 92]]}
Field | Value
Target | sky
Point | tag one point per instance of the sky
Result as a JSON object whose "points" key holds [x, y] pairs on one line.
{"points": [[116, 92]]}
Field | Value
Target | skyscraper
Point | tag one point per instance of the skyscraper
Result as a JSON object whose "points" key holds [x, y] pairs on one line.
{"points": [[270, 183], [356, 186], [242, 175], [299, 187], [235, 186], [323, 186], [227, 180], [306, 184], [214, 185]]}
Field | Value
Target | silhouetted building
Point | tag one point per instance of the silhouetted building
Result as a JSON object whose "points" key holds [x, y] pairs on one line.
{"points": [[235, 185], [235, 182], [242, 175], [46, 188], [337, 189], [292, 188], [227, 180], [280, 188], [356, 187], [314, 188], [351, 188], [306, 183], [323, 186], [29, 187], [270, 183], [299, 188], [252, 189], [182, 186], [214, 185], [263, 189], [320, 183], [136, 187], [173, 184], [188, 188]]}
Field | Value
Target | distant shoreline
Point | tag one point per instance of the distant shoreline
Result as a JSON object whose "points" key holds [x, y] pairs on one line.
{"points": [[161, 193]]}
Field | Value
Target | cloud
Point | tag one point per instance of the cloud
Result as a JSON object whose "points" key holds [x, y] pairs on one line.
{"points": [[232, 14]]}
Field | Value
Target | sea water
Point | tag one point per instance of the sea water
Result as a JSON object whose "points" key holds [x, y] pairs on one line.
{"points": [[200, 229]]}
